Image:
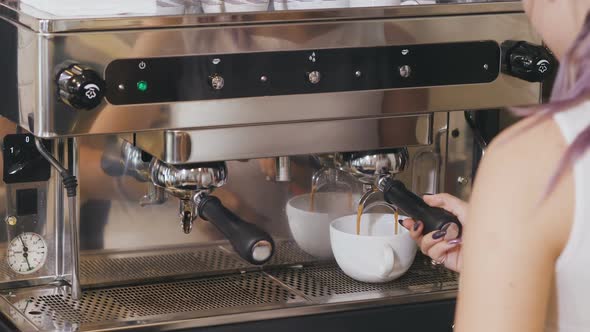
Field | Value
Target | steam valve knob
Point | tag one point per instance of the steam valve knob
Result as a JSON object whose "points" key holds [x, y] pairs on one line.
{"points": [[80, 87], [314, 77], [405, 71], [216, 82], [532, 63]]}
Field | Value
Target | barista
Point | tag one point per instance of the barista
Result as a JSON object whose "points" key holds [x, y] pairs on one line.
{"points": [[524, 259]]}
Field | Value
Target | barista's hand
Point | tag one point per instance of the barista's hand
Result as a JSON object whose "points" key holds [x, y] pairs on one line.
{"points": [[434, 245]]}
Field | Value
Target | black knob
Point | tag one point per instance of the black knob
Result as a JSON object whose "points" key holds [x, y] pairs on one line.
{"points": [[80, 87], [532, 63]]}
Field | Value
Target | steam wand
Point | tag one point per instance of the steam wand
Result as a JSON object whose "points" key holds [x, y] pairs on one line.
{"points": [[70, 183]]}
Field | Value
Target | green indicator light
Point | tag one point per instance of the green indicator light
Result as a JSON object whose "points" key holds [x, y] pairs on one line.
{"points": [[142, 86]]}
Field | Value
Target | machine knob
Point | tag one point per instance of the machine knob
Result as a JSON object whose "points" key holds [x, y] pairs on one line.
{"points": [[80, 87], [405, 71], [216, 82], [314, 77], [532, 63]]}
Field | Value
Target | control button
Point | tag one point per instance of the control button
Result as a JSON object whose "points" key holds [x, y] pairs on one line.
{"points": [[405, 71], [358, 73], [263, 78], [142, 86], [314, 77], [80, 87], [142, 65], [216, 82]]}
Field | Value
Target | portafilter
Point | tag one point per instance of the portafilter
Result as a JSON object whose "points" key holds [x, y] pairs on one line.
{"points": [[377, 169], [192, 184]]}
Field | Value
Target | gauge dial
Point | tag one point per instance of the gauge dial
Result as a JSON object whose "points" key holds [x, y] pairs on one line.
{"points": [[27, 253], [28, 309]]}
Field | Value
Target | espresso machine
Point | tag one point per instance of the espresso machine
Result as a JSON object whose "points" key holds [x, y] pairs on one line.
{"points": [[149, 153]]}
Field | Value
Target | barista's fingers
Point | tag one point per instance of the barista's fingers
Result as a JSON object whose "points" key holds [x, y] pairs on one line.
{"points": [[430, 240], [448, 202], [415, 228], [408, 223], [439, 251]]}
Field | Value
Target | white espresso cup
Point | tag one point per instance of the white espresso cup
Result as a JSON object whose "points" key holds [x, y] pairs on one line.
{"points": [[311, 229], [377, 255], [374, 3]]}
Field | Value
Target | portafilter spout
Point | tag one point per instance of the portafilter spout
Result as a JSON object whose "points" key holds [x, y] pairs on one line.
{"points": [[376, 169]]}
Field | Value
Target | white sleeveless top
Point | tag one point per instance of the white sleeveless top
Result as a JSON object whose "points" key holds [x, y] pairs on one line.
{"points": [[569, 308]]}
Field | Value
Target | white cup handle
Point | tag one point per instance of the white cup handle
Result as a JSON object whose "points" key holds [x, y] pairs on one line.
{"points": [[388, 260]]}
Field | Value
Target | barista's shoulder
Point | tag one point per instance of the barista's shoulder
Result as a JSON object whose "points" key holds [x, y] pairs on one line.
{"points": [[522, 159], [515, 174], [528, 142]]}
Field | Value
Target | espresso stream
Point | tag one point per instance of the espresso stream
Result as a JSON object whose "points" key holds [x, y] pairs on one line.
{"points": [[359, 214], [359, 211]]}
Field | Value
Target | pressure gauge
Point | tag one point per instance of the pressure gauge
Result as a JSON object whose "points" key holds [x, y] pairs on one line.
{"points": [[27, 308], [27, 253]]}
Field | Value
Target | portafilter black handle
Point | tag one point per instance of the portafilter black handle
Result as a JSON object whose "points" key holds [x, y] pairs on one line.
{"points": [[433, 218], [250, 242]]}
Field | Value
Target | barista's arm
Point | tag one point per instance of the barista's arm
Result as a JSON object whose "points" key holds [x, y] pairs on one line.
{"points": [[514, 239]]}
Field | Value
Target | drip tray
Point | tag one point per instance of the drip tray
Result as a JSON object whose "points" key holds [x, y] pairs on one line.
{"points": [[51, 309], [99, 270], [119, 268], [278, 292], [328, 284]]}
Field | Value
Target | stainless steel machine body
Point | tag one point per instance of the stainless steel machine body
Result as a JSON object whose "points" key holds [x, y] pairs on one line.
{"points": [[193, 88]]}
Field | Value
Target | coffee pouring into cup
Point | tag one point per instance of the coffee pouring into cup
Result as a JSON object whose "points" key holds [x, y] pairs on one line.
{"points": [[309, 215], [376, 170]]}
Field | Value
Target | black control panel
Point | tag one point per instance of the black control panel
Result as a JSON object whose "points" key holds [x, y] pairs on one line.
{"points": [[22, 160], [190, 78]]}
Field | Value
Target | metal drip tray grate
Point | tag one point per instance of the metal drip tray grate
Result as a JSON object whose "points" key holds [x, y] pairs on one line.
{"points": [[117, 268], [289, 288], [127, 267], [327, 283], [288, 253], [196, 298]]}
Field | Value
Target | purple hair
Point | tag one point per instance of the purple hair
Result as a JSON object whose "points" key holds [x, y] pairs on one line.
{"points": [[572, 87]]}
